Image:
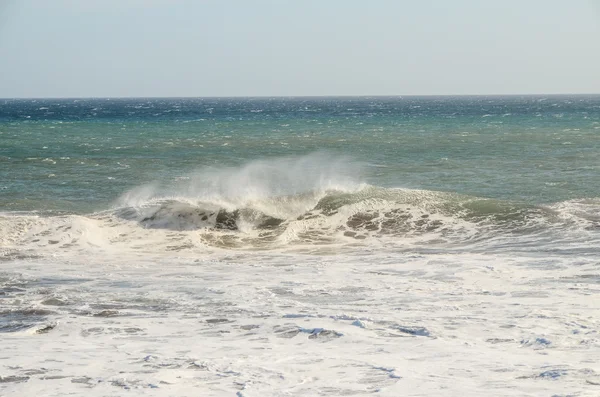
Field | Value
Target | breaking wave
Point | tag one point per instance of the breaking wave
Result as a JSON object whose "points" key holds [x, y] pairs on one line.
{"points": [[394, 216], [291, 202]]}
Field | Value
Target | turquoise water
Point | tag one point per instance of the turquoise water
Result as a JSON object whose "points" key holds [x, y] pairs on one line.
{"points": [[79, 156]]}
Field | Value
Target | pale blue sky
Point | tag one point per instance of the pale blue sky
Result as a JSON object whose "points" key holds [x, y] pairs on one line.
{"points": [[99, 48]]}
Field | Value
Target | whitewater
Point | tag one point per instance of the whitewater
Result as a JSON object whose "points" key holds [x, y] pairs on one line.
{"points": [[274, 268]]}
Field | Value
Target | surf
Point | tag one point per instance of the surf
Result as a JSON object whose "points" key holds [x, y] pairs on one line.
{"points": [[369, 216], [300, 201]]}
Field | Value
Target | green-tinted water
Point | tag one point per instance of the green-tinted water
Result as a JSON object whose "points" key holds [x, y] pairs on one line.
{"points": [[81, 155]]}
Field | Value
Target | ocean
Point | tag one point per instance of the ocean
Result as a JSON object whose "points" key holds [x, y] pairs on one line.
{"points": [[327, 246]]}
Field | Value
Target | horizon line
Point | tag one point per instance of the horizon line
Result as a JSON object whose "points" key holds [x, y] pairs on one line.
{"points": [[298, 96]]}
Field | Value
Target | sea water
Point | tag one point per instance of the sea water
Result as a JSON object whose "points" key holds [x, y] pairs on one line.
{"points": [[412, 246]]}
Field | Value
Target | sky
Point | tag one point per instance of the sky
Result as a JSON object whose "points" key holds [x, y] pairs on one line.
{"points": [[198, 48]]}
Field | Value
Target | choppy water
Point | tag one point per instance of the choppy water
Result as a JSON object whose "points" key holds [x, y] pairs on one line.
{"points": [[275, 223]]}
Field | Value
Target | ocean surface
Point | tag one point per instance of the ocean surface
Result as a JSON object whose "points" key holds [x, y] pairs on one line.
{"points": [[402, 246]]}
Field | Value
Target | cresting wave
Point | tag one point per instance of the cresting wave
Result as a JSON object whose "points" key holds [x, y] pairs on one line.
{"points": [[365, 211], [298, 202], [407, 218]]}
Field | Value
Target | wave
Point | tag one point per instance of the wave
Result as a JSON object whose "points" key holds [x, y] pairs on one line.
{"points": [[302, 180], [370, 214], [292, 202]]}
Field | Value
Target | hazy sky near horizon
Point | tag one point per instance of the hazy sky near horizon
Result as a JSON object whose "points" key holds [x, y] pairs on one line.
{"points": [[133, 48]]}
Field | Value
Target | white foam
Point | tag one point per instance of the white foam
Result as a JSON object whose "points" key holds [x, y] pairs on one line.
{"points": [[221, 323]]}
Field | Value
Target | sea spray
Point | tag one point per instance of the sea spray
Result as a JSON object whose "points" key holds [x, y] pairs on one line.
{"points": [[281, 187]]}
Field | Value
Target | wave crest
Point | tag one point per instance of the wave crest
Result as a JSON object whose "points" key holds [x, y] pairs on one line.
{"points": [[282, 187], [310, 200], [403, 217]]}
